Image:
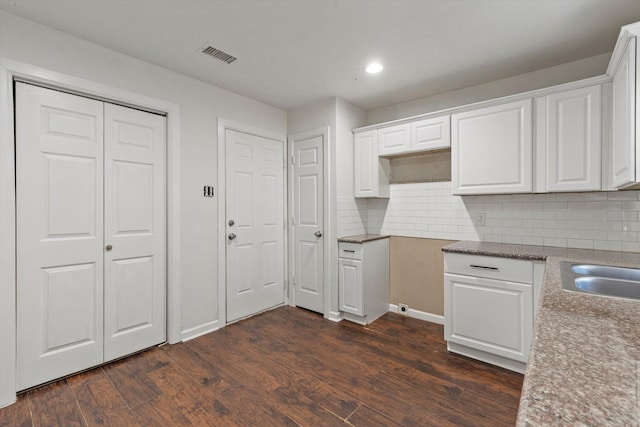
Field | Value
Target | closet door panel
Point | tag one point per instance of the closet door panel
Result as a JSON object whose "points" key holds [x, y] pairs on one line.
{"points": [[59, 191], [134, 230]]}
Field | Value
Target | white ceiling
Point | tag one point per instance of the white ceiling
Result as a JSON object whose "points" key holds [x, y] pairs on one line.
{"points": [[293, 52]]}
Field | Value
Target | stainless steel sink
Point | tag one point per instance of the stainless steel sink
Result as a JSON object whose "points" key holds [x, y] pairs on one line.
{"points": [[601, 280]]}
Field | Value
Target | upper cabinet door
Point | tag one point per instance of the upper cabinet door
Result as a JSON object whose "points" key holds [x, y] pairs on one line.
{"points": [[574, 140], [371, 173], [431, 134], [394, 139], [623, 145], [491, 150]]}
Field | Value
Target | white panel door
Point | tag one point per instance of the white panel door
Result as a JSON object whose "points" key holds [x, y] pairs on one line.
{"points": [[255, 224], [134, 222], [308, 223], [574, 140], [491, 150], [623, 150], [59, 184]]}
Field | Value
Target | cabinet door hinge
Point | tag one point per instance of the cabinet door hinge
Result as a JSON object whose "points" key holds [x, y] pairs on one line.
{"points": [[293, 160]]}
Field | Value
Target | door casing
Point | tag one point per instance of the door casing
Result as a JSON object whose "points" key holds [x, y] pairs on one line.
{"points": [[12, 70]]}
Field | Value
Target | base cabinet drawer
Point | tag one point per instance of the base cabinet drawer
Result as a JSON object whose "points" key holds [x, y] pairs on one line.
{"points": [[490, 315]]}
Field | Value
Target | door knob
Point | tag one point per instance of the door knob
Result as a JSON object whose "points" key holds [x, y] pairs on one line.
{"points": [[318, 234], [108, 248], [232, 236], [231, 222]]}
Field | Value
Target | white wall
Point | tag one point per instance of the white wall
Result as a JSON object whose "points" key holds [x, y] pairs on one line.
{"points": [[201, 104], [564, 73]]}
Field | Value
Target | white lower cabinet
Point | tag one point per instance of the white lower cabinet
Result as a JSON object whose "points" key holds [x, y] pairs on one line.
{"points": [[363, 280], [489, 308]]}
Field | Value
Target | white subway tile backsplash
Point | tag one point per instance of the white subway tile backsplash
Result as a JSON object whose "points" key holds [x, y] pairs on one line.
{"points": [[599, 220], [580, 244], [607, 245], [631, 246], [538, 241], [555, 241]]}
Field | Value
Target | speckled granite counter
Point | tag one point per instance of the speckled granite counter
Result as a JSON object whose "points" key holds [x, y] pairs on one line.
{"points": [[584, 364], [361, 238]]}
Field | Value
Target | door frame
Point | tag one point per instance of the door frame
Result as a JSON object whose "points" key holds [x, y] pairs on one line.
{"points": [[10, 70], [223, 126], [324, 132]]}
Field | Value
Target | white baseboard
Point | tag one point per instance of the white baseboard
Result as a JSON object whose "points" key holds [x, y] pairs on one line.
{"points": [[417, 314], [492, 359], [197, 331], [335, 316]]}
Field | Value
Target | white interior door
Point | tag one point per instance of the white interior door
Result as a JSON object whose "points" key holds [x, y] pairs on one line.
{"points": [[90, 232], [59, 189], [308, 229], [134, 223], [255, 224]]}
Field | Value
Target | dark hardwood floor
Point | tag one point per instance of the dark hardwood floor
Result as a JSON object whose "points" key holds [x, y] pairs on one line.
{"points": [[286, 367]]}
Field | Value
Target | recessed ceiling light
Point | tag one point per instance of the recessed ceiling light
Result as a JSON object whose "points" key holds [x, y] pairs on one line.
{"points": [[374, 68]]}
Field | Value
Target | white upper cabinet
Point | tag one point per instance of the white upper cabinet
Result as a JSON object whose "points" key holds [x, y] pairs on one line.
{"points": [[394, 139], [431, 134], [623, 138], [569, 141], [491, 150], [421, 135], [371, 172]]}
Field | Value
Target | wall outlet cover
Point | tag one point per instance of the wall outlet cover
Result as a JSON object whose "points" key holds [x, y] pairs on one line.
{"points": [[403, 309]]}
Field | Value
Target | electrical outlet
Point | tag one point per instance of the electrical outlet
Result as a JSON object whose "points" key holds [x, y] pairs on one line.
{"points": [[403, 309], [479, 218]]}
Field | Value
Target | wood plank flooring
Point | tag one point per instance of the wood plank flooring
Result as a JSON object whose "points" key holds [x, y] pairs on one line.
{"points": [[286, 367]]}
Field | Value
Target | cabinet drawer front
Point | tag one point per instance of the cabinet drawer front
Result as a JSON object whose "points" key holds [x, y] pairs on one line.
{"points": [[489, 315], [514, 270], [350, 250]]}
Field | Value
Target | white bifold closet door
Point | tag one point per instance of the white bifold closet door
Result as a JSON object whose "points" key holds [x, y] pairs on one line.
{"points": [[90, 232]]}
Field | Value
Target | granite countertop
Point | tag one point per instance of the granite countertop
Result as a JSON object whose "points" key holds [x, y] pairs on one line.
{"points": [[584, 363], [361, 238]]}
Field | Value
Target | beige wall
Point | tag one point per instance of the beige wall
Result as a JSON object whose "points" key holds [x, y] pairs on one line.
{"points": [[417, 273]]}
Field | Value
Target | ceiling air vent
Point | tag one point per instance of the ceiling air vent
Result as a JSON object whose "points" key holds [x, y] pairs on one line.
{"points": [[218, 54]]}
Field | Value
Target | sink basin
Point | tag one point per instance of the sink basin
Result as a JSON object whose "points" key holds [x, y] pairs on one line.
{"points": [[603, 280], [607, 271]]}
